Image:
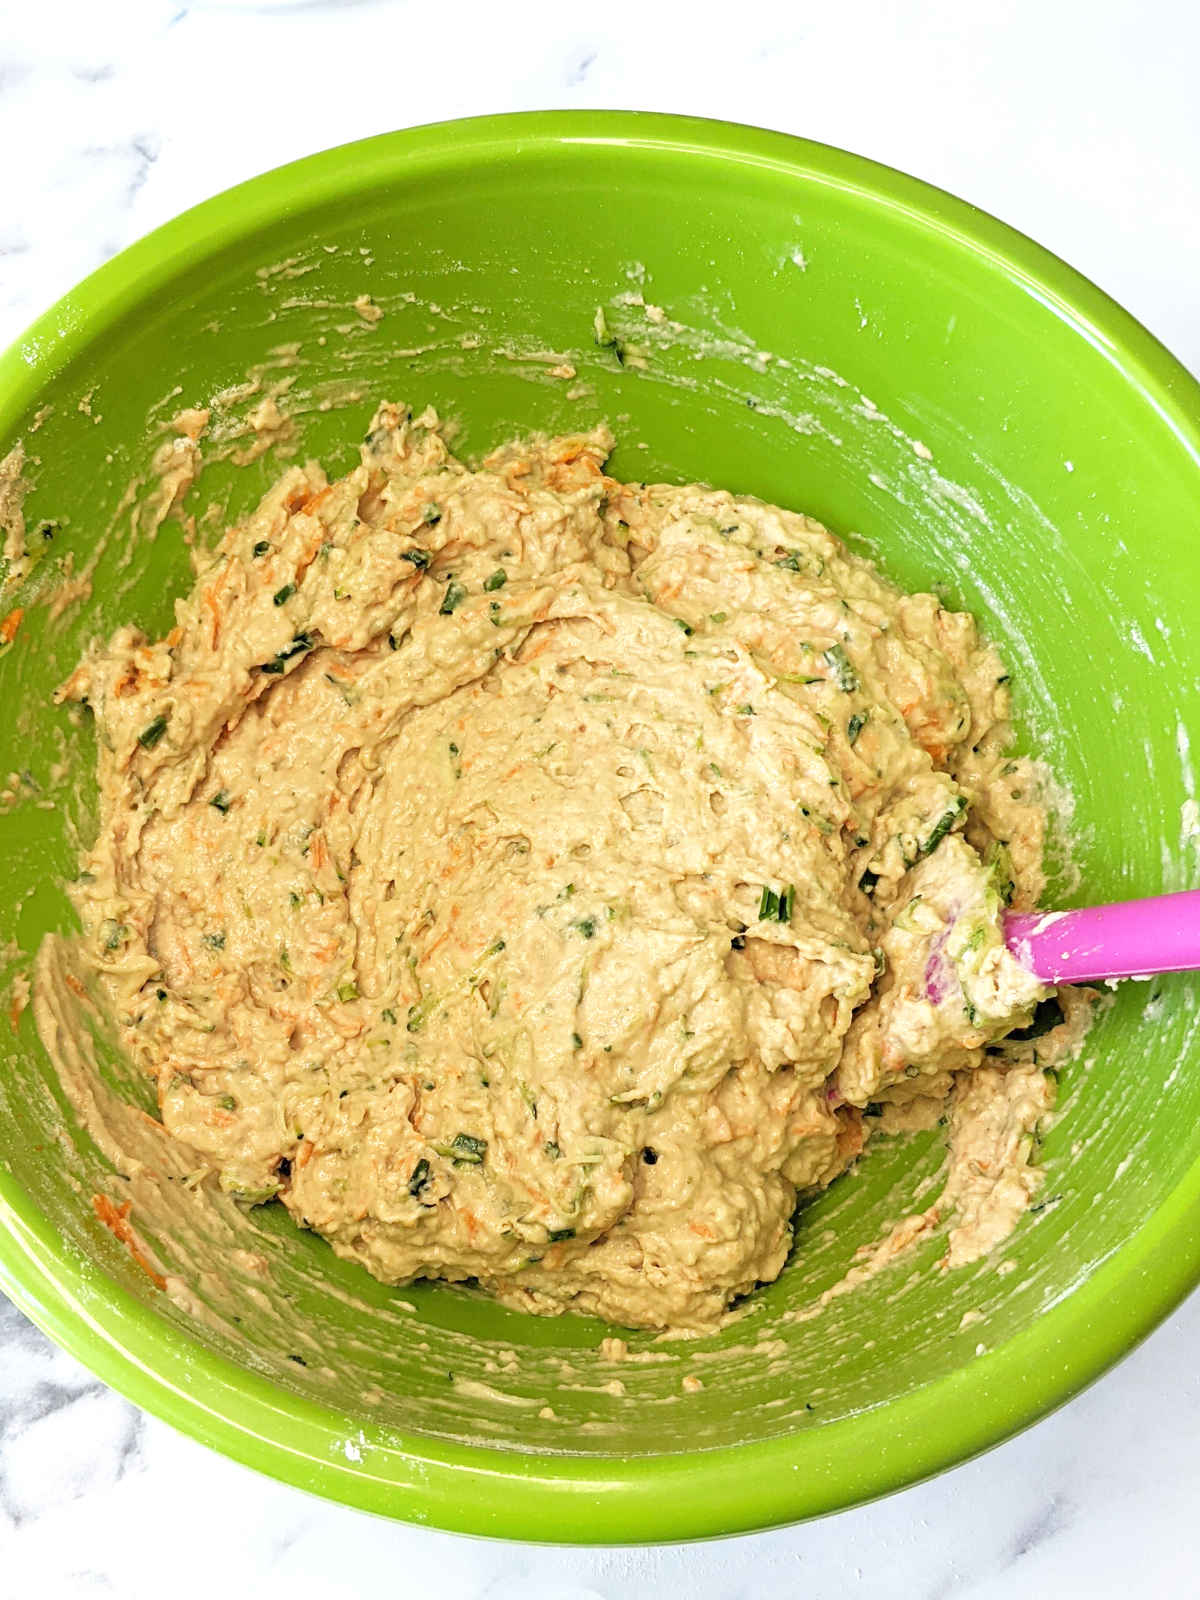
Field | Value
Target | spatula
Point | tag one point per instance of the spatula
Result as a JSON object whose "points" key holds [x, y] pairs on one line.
{"points": [[1131, 939]]}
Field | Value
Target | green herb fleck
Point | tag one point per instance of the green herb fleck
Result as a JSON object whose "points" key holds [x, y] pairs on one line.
{"points": [[347, 991], [454, 596], [215, 941], [348, 693], [606, 340], [684, 627], [420, 1177], [468, 1150], [557, 1235], [552, 1150], [843, 669], [855, 726], [152, 733], [282, 596], [227, 1103], [746, 711], [586, 926], [999, 864], [776, 906], [261, 548], [432, 513], [576, 1042], [942, 826], [388, 1015], [221, 801], [868, 881], [300, 643], [497, 580], [419, 558]]}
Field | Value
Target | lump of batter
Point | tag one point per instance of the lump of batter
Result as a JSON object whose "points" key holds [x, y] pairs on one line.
{"points": [[532, 878]]}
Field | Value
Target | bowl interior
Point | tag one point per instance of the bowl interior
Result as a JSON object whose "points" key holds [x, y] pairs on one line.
{"points": [[837, 339]]}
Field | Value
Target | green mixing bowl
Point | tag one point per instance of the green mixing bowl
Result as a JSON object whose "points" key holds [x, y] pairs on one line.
{"points": [[837, 338]]}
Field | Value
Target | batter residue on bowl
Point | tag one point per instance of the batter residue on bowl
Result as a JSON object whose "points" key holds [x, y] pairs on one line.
{"points": [[540, 879]]}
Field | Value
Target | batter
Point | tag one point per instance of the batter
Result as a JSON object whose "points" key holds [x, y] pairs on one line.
{"points": [[537, 879]]}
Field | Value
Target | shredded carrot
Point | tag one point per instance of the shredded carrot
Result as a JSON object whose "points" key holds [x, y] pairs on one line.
{"points": [[307, 1150], [127, 683], [14, 1013], [10, 624], [116, 1220], [210, 602], [306, 560], [437, 943], [221, 579], [314, 500]]}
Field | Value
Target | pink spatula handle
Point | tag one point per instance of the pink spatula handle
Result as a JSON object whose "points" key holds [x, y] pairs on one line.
{"points": [[1130, 939]]}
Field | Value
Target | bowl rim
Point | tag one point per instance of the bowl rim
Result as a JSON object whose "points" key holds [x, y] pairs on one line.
{"points": [[686, 1495]]}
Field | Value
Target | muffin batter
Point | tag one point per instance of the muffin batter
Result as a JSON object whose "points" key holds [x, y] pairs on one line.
{"points": [[534, 878]]}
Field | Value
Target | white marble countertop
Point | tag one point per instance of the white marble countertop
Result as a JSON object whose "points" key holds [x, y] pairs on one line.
{"points": [[1077, 124]]}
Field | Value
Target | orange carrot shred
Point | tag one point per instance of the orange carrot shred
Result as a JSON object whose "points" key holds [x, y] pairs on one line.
{"points": [[116, 1219]]}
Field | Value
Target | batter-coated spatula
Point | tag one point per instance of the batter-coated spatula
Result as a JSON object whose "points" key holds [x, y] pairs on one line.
{"points": [[1131, 939]]}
